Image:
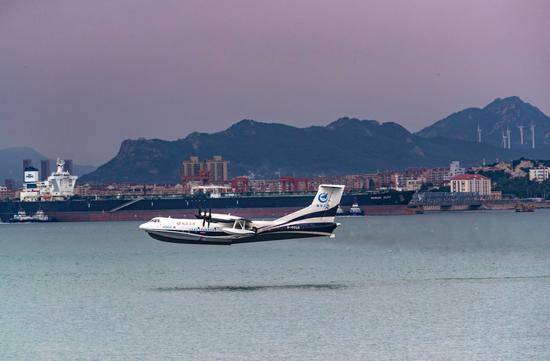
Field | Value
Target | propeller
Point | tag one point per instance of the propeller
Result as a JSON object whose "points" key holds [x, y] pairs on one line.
{"points": [[204, 216], [201, 215]]}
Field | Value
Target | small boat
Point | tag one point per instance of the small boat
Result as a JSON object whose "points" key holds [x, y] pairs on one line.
{"points": [[20, 217], [525, 207], [23, 217], [40, 216], [355, 210]]}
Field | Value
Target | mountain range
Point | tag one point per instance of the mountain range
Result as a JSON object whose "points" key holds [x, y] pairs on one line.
{"points": [[345, 146], [11, 163], [494, 121]]}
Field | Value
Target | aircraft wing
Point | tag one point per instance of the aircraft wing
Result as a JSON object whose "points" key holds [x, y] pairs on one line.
{"points": [[220, 217], [238, 232]]}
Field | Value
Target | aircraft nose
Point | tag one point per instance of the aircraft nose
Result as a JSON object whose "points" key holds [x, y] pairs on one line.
{"points": [[143, 226]]}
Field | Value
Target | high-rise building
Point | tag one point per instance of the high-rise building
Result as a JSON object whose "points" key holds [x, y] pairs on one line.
{"points": [[192, 170], [213, 170], [218, 169], [44, 169], [27, 163], [438, 176], [455, 169], [9, 183], [69, 166]]}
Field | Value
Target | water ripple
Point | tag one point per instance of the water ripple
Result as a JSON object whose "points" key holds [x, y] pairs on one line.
{"points": [[305, 286]]}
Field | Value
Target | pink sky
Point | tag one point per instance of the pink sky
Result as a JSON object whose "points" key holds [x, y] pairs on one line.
{"points": [[78, 77]]}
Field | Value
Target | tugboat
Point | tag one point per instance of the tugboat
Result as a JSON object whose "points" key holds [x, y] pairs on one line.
{"points": [[23, 217], [40, 216], [525, 207], [355, 210], [20, 217]]}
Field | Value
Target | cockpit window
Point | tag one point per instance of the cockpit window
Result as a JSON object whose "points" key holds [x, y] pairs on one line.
{"points": [[242, 224], [155, 220]]}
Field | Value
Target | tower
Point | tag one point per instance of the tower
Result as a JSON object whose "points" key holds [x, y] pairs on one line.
{"points": [[520, 134], [508, 138], [478, 133], [69, 166], [27, 163], [504, 142], [44, 169], [532, 135]]}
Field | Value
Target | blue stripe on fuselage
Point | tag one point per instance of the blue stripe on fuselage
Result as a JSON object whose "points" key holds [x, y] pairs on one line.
{"points": [[326, 227]]}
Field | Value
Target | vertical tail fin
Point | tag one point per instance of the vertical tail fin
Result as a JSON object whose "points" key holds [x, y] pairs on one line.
{"points": [[323, 207], [328, 197]]}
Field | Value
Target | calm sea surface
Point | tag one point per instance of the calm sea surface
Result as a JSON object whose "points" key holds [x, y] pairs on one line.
{"points": [[447, 286]]}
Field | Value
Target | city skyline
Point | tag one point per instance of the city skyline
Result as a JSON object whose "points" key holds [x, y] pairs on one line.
{"points": [[80, 77]]}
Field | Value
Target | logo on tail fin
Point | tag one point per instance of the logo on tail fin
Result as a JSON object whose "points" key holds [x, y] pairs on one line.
{"points": [[323, 197]]}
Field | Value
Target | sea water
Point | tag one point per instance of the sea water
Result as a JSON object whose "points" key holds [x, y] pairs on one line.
{"points": [[441, 286]]}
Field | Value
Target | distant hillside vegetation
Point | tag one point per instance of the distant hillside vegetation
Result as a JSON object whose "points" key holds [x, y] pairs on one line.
{"points": [[266, 150]]}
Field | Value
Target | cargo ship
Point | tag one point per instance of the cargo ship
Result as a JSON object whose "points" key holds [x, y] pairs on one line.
{"points": [[55, 198], [144, 208]]}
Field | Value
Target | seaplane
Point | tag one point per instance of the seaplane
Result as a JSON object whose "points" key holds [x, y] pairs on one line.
{"points": [[316, 220]]}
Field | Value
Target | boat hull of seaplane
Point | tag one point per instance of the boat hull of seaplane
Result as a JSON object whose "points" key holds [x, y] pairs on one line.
{"points": [[316, 220], [209, 237]]}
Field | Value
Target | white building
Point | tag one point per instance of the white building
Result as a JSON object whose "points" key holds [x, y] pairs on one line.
{"points": [[471, 183], [539, 174]]}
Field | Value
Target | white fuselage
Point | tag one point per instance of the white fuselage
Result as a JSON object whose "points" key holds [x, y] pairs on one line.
{"points": [[316, 220], [239, 231], [187, 229]]}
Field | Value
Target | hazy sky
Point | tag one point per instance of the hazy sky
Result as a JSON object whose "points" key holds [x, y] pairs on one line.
{"points": [[79, 76]]}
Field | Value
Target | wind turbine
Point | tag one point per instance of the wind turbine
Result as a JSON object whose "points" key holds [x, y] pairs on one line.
{"points": [[520, 134], [532, 135]]}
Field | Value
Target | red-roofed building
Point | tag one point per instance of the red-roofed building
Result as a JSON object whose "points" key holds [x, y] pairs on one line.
{"points": [[471, 183]]}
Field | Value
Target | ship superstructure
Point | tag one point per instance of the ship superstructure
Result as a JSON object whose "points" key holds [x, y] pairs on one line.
{"points": [[59, 185]]}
